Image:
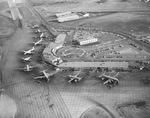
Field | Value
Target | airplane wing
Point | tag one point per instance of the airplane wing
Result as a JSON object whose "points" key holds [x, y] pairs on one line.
{"points": [[71, 79], [113, 78], [28, 52], [21, 68], [39, 43], [75, 78], [71, 76], [102, 78], [26, 59], [102, 74], [31, 67], [106, 82], [24, 51], [25, 69], [33, 48], [39, 77], [32, 43], [79, 78]]}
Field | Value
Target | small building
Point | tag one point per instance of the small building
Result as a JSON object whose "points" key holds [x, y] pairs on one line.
{"points": [[62, 14], [87, 40], [84, 37], [68, 17]]}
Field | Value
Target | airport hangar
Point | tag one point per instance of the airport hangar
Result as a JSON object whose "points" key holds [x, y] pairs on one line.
{"points": [[108, 64]]}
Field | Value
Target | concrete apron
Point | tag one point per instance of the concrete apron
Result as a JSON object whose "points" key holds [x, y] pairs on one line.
{"points": [[8, 107]]}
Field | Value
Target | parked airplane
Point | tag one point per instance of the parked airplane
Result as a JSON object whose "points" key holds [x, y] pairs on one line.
{"points": [[74, 78], [46, 75], [43, 35], [26, 59], [38, 42], [34, 26], [29, 51], [144, 68], [27, 68], [109, 80]]}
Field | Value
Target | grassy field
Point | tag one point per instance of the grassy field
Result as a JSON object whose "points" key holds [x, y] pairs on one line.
{"points": [[6, 26], [94, 5], [52, 2]]}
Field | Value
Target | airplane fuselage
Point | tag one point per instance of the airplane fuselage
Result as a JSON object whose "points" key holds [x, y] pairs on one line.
{"points": [[109, 81], [29, 51], [38, 42], [46, 74], [27, 68]]}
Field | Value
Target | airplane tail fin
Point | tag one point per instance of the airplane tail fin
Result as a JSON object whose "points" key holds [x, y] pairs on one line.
{"points": [[23, 58], [117, 74], [33, 48]]}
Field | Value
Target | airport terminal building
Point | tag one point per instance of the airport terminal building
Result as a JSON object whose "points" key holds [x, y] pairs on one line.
{"points": [[68, 18], [49, 53], [87, 40]]}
